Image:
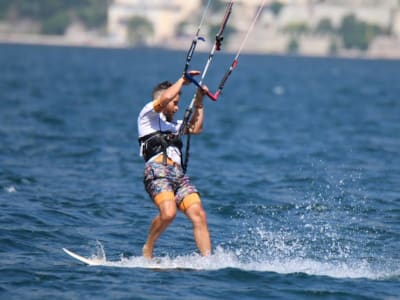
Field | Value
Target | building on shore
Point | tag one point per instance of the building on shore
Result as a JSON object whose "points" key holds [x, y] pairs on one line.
{"points": [[164, 15], [174, 22], [270, 35]]}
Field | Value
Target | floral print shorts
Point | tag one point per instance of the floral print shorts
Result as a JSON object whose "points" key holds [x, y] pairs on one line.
{"points": [[160, 178]]}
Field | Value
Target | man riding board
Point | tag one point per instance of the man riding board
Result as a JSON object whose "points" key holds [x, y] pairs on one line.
{"points": [[164, 179]]}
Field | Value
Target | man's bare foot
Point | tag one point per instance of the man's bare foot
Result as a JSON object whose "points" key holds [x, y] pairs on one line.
{"points": [[147, 252]]}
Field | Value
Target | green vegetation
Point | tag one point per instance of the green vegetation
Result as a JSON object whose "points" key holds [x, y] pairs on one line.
{"points": [[216, 6], [56, 24], [293, 46], [140, 30], [276, 7], [296, 28], [357, 34], [181, 28], [3, 9], [353, 34], [56, 15], [213, 30], [325, 27], [334, 47]]}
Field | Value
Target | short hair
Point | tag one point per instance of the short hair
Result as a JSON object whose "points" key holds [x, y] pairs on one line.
{"points": [[160, 87]]}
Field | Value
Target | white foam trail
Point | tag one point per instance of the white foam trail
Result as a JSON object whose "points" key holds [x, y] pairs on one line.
{"points": [[222, 259]]}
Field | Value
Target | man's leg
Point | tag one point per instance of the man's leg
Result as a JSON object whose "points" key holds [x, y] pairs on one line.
{"points": [[197, 216], [167, 213]]}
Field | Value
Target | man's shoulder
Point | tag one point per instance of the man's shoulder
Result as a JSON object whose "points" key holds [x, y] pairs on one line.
{"points": [[148, 107]]}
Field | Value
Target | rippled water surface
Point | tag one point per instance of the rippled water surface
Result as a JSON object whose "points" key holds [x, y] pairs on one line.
{"points": [[298, 168]]}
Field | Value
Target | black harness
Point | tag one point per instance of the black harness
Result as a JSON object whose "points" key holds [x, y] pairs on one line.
{"points": [[158, 142]]}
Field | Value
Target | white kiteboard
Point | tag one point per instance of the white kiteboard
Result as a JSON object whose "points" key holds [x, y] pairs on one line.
{"points": [[156, 263], [88, 261], [137, 262]]}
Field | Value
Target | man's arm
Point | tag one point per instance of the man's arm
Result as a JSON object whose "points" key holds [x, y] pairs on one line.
{"points": [[170, 93], [196, 122]]}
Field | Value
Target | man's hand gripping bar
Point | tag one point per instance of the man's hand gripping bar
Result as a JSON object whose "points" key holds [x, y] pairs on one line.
{"points": [[210, 95]]}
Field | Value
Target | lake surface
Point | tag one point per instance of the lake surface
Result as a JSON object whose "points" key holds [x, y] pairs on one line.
{"points": [[298, 168]]}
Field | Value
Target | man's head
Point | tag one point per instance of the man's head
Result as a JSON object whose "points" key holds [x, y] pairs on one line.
{"points": [[172, 106], [159, 88]]}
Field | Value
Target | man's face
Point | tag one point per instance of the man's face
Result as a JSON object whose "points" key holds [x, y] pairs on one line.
{"points": [[172, 107]]}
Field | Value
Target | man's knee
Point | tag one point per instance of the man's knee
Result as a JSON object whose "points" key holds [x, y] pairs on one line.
{"points": [[197, 214], [201, 215], [167, 210], [168, 215]]}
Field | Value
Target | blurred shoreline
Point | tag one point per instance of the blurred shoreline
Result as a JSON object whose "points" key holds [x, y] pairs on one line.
{"points": [[383, 49]]}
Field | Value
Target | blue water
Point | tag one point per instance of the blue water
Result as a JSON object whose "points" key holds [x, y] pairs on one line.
{"points": [[298, 168]]}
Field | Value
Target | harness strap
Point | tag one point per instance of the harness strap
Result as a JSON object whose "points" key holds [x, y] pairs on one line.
{"points": [[158, 142]]}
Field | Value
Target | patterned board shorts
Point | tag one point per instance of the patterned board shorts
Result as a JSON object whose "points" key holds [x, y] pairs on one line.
{"points": [[167, 178]]}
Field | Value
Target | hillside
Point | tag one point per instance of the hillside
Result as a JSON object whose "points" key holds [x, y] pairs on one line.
{"points": [[52, 17], [315, 28]]}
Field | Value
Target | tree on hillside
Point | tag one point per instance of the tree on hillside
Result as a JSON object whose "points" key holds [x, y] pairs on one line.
{"points": [[181, 28], [334, 47], [94, 13], [296, 28], [357, 34], [325, 26], [140, 30], [213, 30], [56, 24], [216, 6], [56, 15], [293, 46], [276, 7]]}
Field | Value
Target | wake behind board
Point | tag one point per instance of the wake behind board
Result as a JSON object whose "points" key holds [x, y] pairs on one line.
{"points": [[88, 261]]}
